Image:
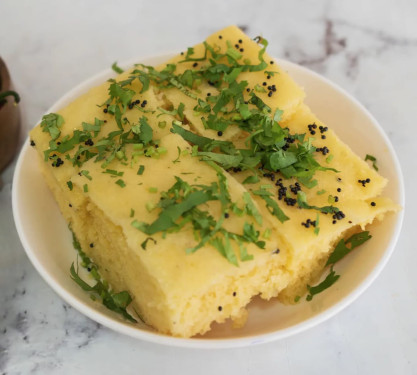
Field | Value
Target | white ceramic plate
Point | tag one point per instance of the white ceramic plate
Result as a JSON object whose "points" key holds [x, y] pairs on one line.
{"points": [[48, 244]]}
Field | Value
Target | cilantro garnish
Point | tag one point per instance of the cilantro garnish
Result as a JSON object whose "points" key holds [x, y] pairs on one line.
{"points": [[121, 183], [52, 123], [177, 160], [224, 247], [316, 226], [117, 302], [271, 204], [113, 172], [141, 170], [302, 203], [145, 243], [340, 251], [330, 279], [117, 68], [251, 180], [373, 160], [251, 208], [86, 174]]}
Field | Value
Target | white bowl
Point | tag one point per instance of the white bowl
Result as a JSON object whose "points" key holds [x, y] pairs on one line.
{"points": [[47, 240]]}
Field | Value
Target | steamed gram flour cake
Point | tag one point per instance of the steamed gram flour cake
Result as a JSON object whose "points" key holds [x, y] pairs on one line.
{"points": [[196, 185]]}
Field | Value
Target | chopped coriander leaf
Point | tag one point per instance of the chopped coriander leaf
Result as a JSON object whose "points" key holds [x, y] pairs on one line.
{"points": [[316, 226], [275, 209], [232, 52], [224, 247], [145, 243], [282, 159], [132, 212], [243, 253], [272, 205], [116, 68], [150, 206], [250, 234], [121, 183], [85, 188], [341, 249], [161, 150], [180, 111], [251, 208], [270, 73], [153, 190], [259, 88], [141, 170], [70, 186], [320, 192], [373, 160], [177, 160], [113, 172], [117, 302], [308, 182], [86, 174], [120, 155], [146, 131], [266, 141], [172, 212], [267, 233], [226, 161], [251, 180], [74, 275], [329, 158], [51, 123], [120, 95], [96, 127], [302, 203], [330, 279]]}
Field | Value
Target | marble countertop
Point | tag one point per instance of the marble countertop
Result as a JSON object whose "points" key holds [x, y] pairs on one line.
{"points": [[368, 48]]}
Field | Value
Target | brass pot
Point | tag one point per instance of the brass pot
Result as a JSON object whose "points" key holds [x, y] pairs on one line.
{"points": [[9, 118]]}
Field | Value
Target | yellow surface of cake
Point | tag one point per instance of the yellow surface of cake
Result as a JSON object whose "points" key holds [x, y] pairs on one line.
{"points": [[109, 199]]}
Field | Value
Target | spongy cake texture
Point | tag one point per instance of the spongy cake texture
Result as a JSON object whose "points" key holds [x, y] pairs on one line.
{"points": [[179, 292]]}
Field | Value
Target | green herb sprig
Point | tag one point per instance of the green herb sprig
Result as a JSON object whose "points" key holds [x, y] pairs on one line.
{"points": [[183, 203], [373, 160], [117, 302], [340, 251]]}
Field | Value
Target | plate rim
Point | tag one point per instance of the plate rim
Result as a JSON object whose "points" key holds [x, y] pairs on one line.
{"points": [[209, 343]]}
